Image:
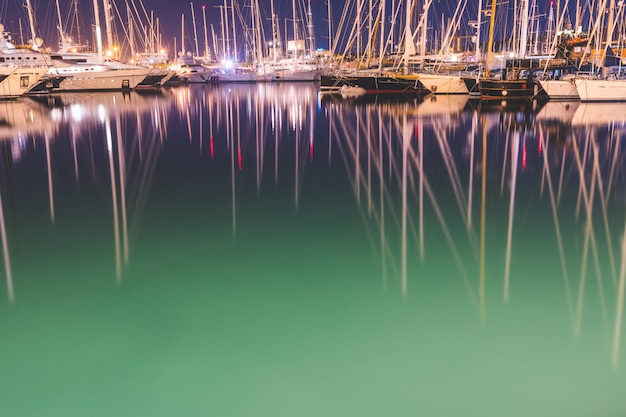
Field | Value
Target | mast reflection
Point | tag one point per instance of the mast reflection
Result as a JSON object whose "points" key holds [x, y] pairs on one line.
{"points": [[550, 175], [567, 140], [80, 117], [245, 119], [6, 255]]}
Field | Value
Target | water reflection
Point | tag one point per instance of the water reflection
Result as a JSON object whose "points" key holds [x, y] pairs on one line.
{"points": [[580, 154], [114, 123], [493, 210]]}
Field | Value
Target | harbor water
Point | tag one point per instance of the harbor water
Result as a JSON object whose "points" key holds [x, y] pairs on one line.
{"points": [[264, 250]]}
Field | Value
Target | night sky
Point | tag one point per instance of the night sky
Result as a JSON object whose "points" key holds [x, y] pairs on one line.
{"points": [[169, 14]]}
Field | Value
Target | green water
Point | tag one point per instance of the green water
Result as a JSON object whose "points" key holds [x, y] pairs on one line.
{"points": [[241, 284]]}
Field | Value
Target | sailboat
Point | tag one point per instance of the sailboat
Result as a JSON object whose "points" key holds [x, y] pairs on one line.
{"points": [[301, 64], [611, 85], [516, 80], [373, 80], [560, 84], [444, 73]]}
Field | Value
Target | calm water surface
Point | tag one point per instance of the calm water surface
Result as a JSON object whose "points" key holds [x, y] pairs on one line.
{"points": [[264, 251]]}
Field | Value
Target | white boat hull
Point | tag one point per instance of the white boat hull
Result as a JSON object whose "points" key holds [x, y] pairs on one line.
{"points": [[19, 81], [288, 75], [244, 77], [560, 89], [443, 83], [124, 79], [197, 76], [601, 90]]}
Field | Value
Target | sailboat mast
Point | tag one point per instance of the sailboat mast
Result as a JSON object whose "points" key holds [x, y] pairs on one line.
{"points": [[225, 39], [609, 25], [425, 29], [232, 11], [31, 21], [370, 33], [478, 24], [274, 31], [195, 32], [523, 44], [311, 31], [131, 32], [207, 54], [77, 22], [182, 35], [295, 27], [330, 28], [409, 48], [215, 42], [96, 12], [381, 47], [359, 5], [257, 50], [62, 40], [157, 35], [492, 19], [108, 24]]}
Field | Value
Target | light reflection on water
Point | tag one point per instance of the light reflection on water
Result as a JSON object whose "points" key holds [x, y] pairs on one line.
{"points": [[379, 251]]}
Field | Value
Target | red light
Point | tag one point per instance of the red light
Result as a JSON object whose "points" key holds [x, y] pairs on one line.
{"points": [[211, 146], [239, 159], [524, 157]]}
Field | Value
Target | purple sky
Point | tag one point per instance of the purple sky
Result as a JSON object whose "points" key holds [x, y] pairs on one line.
{"points": [[168, 11]]}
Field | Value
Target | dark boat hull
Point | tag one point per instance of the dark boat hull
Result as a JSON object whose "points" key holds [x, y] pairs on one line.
{"points": [[507, 89], [374, 84], [472, 85]]}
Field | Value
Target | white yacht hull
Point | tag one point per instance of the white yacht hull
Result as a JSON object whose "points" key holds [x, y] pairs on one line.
{"points": [[601, 90], [443, 83], [560, 89], [295, 75], [196, 76], [122, 79], [243, 77], [19, 80]]}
